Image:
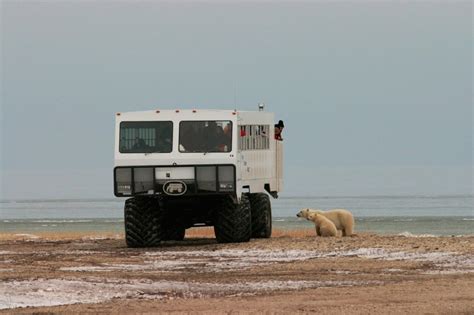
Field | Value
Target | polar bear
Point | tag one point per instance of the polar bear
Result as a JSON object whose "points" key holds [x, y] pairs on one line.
{"points": [[342, 219], [323, 225]]}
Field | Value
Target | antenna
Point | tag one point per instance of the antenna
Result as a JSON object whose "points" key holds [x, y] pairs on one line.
{"points": [[235, 97]]}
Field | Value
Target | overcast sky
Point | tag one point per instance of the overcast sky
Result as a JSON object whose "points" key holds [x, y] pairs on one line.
{"points": [[376, 96]]}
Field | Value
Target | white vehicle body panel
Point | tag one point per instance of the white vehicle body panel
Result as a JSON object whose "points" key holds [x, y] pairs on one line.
{"points": [[255, 168]]}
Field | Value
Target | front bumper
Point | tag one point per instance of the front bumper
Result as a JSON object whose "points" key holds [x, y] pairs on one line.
{"points": [[173, 180]]}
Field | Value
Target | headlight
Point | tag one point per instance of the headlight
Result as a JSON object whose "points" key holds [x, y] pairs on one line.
{"points": [[123, 181], [206, 178], [226, 178], [143, 177]]}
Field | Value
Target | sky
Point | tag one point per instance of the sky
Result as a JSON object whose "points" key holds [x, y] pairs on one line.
{"points": [[376, 96]]}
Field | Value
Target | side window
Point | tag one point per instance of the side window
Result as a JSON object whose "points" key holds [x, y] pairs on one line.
{"points": [[254, 137]]}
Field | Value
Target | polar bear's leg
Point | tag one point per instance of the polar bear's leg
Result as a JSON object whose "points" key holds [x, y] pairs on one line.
{"points": [[348, 231], [318, 230], [348, 228]]}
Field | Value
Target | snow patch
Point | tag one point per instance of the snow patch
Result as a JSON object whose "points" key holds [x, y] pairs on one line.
{"points": [[446, 272], [50, 292], [205, 261], [408, 234], [226, 260], [77, 252], [62, 221], [148, 265], [27, 235], [442, 260], [101, 238]]}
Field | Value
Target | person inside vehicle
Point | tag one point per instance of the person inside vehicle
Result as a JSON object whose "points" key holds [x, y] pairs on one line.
{"points": [[212, 134], [226, 139], [188, 135], [139, 144], [164, 141]]}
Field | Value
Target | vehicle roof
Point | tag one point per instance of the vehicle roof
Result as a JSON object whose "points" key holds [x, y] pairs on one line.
{"points": [[188, 110]]}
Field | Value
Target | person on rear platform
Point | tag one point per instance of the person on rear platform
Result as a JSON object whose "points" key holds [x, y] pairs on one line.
{"points": [[278, 130]]}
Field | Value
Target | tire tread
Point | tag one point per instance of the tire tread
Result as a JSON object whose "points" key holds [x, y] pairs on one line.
{"points": [[261, 215], [233, 222], [143, 218]]}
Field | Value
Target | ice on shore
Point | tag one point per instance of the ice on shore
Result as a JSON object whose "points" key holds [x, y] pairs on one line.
{"points": [[225, 260], [441, 260], [49, 292], [409, 234], [100, 238], [205, 261], [27, 235], [52, 292]]}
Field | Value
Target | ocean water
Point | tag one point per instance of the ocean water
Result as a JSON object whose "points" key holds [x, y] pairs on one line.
{"points": [[436, 215]]}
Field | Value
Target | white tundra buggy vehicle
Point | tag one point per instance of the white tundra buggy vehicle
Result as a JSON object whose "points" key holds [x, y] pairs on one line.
{"points": [[185, 168]]}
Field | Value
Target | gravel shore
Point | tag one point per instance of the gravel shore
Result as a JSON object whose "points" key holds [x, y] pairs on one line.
{"points": [[289, 273]]}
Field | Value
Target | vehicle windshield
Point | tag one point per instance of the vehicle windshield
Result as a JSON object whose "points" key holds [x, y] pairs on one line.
{"points": [[205, 136], [146, 137]]}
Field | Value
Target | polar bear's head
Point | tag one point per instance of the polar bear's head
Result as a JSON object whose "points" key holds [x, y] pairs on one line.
{"points": [[304, 213], [314, 216]]}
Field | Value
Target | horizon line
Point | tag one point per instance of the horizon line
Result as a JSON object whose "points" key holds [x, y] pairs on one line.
{"points": [[86, 199]]}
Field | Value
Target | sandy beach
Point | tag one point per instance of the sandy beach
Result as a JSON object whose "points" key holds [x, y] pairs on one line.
{"points": [[293, 272]]}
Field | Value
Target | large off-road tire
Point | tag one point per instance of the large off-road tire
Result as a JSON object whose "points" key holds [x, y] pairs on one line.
{"points": [[261, 215], [143, 222], [233, 222]]}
